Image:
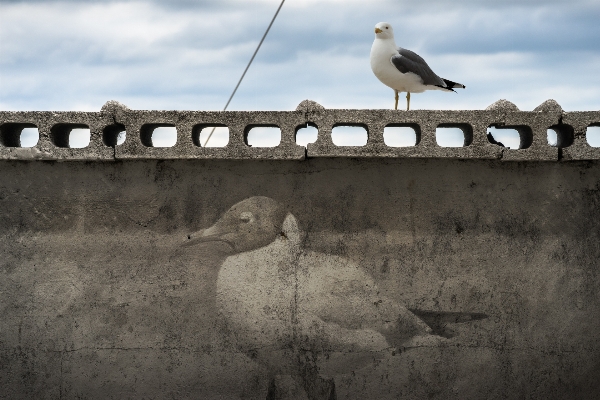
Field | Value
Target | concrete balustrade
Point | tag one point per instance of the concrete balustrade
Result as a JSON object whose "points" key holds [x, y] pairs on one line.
{"points": [[532, 125]]}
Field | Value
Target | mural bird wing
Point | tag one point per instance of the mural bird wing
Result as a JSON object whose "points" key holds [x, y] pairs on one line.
{"points": [[343, 297]]}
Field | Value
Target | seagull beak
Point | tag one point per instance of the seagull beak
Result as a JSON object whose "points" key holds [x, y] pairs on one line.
{"points": [[377, 30]]}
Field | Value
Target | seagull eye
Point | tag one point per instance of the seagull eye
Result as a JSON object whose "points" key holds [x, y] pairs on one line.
{"points": [[386, 27], [246, 216]]}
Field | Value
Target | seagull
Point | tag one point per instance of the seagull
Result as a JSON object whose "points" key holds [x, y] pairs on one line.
{"points": [[304, 314], [402, 69]]}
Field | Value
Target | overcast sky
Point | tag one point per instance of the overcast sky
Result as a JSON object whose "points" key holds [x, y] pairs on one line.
{"points": [[188, 55]]}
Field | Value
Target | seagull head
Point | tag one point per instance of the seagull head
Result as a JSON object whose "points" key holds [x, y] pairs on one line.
{"points": [[383, 30], [247, 225]]}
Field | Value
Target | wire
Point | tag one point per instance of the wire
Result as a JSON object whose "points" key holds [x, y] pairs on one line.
{"points": [[247, 66]]}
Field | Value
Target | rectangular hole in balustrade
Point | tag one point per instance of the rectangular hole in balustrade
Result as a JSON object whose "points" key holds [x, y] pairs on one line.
{"points": [[306, 134], [263, 136], [70, 135], [19, 135], [592, 135], [29, 137], [560, 135], [79, 138], [349, 135], [158, 135], [454, 135], [114, 135], [218, 134], [401, 135], [510, 136], [552, 137]]}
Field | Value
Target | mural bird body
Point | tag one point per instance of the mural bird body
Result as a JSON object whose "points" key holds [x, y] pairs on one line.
{"points": [[286, 304]]}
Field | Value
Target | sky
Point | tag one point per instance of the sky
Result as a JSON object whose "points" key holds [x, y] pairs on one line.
{"points": [[188, 55]]}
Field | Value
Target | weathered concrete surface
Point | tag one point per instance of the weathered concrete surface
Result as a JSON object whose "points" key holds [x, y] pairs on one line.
{"points": [[99, 299], [54, 128]]}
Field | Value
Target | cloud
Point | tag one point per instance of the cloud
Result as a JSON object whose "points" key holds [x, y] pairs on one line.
{"points": [[189, 54]]}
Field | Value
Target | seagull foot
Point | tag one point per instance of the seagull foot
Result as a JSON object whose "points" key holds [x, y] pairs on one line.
{"points": [[284, 387], [308, 387]]}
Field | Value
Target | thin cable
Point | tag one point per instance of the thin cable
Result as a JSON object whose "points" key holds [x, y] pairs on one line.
{"points": [[247, 66]]}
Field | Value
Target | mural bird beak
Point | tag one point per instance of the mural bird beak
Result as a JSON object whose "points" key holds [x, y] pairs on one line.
{"points": [[212, 234], [377, 30]]}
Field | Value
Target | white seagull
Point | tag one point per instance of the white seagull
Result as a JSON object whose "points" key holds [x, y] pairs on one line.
{"points": [[301, 313], [402, 69]]}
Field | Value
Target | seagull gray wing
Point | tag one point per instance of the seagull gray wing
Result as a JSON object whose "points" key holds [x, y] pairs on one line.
{"points": [[408, 61]]}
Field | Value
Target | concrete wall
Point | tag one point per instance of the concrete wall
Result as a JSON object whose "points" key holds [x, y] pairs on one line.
{"points": [[114, 285]]}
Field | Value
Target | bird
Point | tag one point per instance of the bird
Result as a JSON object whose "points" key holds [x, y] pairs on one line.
{"points": [[303, 314], [401, 69]]}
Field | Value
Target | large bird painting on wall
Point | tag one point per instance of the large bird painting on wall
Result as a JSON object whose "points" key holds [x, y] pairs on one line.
{"points": [[304, 315]]}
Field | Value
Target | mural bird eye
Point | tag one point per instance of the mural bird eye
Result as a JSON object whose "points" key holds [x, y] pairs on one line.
{"points": [[246, 216]]}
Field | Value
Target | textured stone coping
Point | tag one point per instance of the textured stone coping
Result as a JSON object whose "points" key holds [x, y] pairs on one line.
{"points": [[54, 128]]}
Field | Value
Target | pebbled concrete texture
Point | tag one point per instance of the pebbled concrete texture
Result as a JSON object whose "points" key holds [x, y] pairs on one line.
{"points": [[100, 297], [54, 128]]}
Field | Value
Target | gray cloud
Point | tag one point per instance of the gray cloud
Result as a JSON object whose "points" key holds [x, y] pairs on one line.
{"points": [[188, 55]]}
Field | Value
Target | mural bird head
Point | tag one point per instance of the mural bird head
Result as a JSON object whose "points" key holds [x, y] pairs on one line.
{"points": [[247, 225]]}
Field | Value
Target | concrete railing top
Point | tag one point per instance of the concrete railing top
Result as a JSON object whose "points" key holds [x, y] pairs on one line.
{"points": [[54, 129]]}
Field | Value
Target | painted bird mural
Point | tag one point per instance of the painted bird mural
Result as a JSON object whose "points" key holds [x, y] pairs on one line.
{"points": [[302, 314]]}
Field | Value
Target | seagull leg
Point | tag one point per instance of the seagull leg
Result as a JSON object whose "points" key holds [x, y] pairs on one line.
{"points": [[407, 101], [396, 97]]}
